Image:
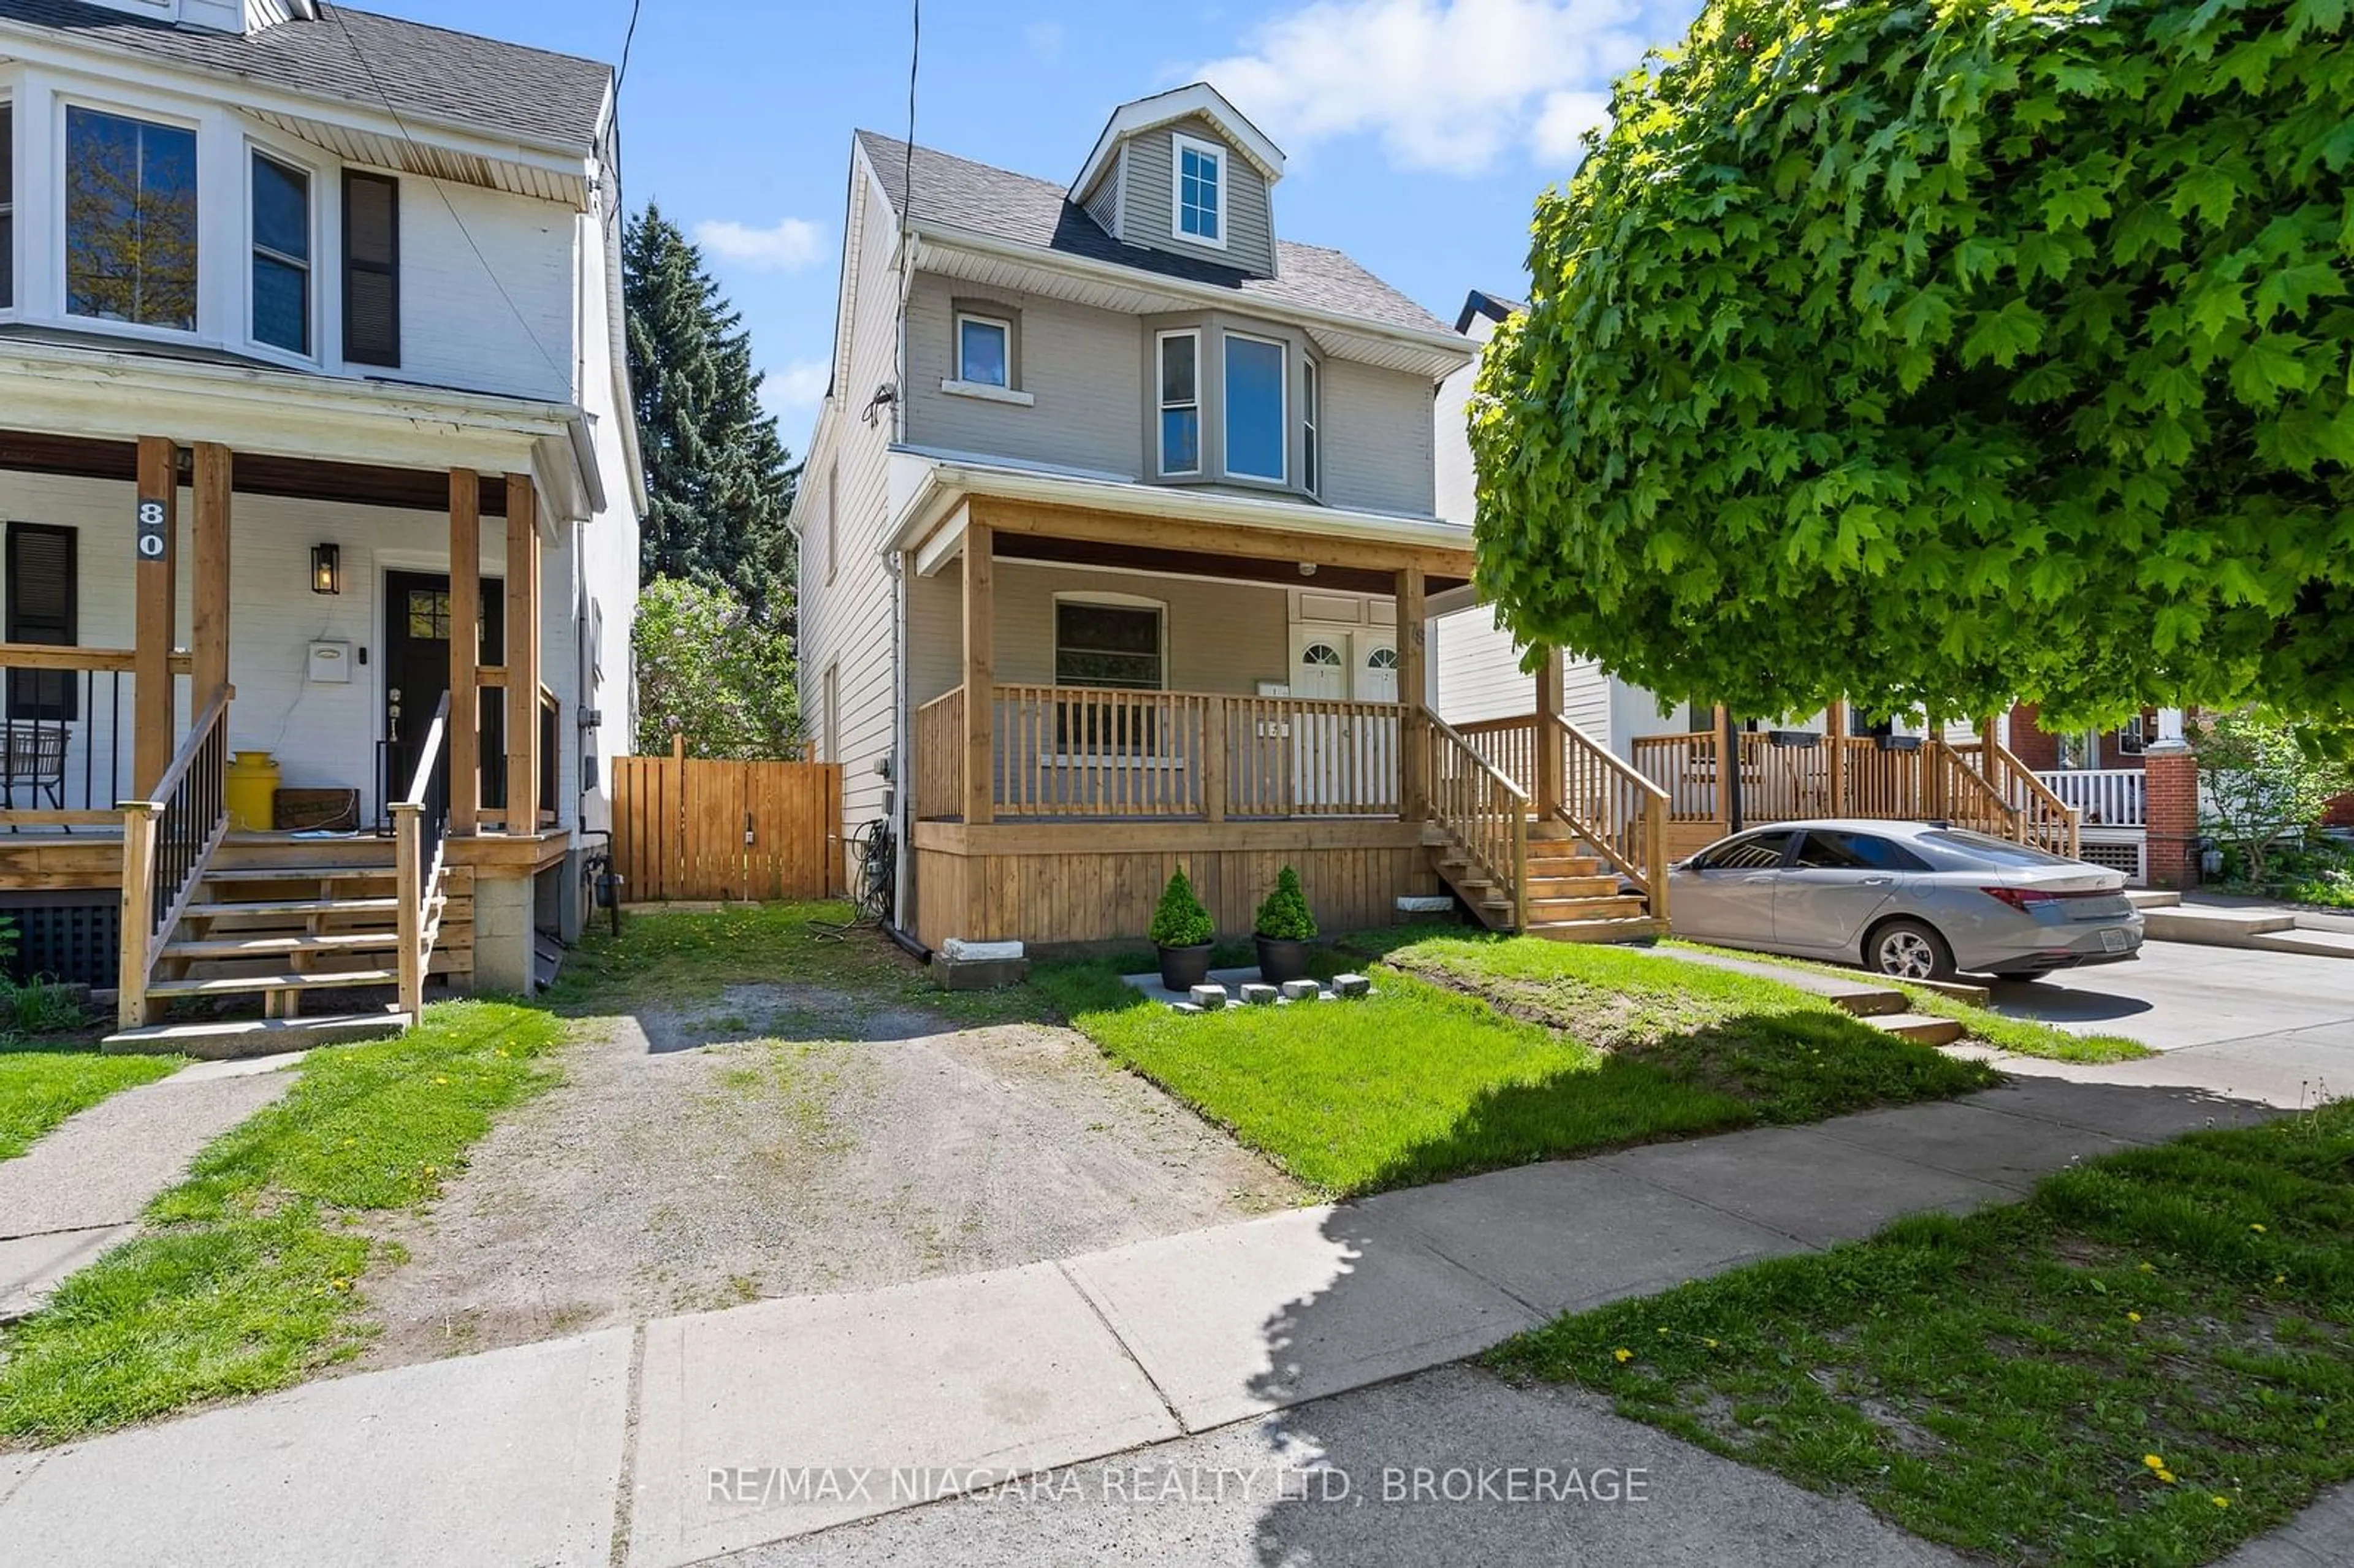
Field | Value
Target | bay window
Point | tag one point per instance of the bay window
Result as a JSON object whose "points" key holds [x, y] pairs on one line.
{"points": [[1180, 402], [1312, 457], [131, 220], [1257, 430], [281, 254], [7, 205]]}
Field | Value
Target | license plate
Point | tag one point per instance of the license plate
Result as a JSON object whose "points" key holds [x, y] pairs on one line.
{"points": [[2113, 941]]}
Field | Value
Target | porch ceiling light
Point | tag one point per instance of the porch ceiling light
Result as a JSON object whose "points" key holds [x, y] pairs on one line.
{"points": [[326, 568]]}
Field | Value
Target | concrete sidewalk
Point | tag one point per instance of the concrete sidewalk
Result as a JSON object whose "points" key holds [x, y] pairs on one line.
{"points": [[80, 1189], [720, 1432]]}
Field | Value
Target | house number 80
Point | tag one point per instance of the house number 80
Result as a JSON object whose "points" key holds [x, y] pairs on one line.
{"points": [[153, 538]]}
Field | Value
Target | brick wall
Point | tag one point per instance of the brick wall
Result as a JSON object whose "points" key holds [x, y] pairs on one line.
{"points": [[2030, 745], [2340, 813]]}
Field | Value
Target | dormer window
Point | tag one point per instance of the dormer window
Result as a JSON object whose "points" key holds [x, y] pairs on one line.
{"points": [[984, 351], [131, 220], [1201, 191]]}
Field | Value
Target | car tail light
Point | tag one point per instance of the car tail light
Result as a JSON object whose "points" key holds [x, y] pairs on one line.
{"points": [[2023, 899]]}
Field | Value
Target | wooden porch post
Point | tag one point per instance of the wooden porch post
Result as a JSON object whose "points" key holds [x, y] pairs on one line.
{"points": [[1548, 780], [1835, 737], [523, 655], [980, 671], [208, 634], [465, 740], [1414, 692], [154, 594]]}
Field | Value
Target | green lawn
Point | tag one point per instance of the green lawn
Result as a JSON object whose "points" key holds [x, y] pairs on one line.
{"points": [[248, 1276], [39, 1087], [1598, 1048], [2148, 1361], [2021, 1036]]}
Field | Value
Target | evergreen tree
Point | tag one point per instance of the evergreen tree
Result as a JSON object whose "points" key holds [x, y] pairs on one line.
{"points": [[719, 480]]}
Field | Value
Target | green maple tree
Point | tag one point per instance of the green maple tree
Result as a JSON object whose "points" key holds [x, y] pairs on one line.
{"points": [[1942, 354]]}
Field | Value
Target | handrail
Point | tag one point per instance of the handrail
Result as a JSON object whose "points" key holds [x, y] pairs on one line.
{"points": [[2048, 820], [169, 838], [421, 824], [57, 656], [1611, 806], [1482, 812]]}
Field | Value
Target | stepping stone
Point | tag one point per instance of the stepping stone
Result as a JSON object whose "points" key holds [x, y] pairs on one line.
{"points": [[1208, 998], [1260, 995], [1302, 991], [1352, 986], [1185, 1007]]}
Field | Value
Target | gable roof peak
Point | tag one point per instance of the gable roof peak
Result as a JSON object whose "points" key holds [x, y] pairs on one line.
{"points": [[1195, 100]]}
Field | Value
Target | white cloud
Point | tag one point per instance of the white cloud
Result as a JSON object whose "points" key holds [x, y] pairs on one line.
{"points": [[793, 392], [1044, 38], [1447, 84], [794, 242]]}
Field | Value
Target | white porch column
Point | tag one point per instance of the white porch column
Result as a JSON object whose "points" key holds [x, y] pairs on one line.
{"points": [[2169, 732]]}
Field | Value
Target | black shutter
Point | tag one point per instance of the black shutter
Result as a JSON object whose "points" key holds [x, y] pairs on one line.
{"points": [[41, 609], [371, 269]]}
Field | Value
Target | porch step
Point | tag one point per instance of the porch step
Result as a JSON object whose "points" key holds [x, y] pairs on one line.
{"points": [[274, 946], [1573, 886], [254, 1036], [249, 874], [293, 907], [1547, 911], [234, 985]]}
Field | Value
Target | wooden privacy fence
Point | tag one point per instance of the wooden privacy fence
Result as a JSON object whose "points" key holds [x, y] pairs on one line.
{"points": [[687, 827]]}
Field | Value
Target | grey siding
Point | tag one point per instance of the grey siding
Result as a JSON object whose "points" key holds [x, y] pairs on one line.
{"points": [[1103, 205], [1222, 637], [1085, 367], [1145, 200], [1377, 439]]}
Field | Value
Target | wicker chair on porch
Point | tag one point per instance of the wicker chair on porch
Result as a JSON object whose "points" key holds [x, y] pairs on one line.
{"points": [[34, 760]]}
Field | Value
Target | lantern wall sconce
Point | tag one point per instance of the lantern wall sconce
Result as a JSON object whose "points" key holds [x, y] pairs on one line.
{"points": [[326, 568]]}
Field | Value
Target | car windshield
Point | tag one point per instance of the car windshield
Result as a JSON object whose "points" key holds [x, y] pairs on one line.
{"points": [[1984, 846]]}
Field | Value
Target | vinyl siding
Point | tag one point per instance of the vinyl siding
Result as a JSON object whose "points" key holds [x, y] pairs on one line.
{"points": [[846, 624], [1103, 205], [1377, 439], [456, 327], [1145, 207], [1222, 637], [1085, 367], [1480, 677]]}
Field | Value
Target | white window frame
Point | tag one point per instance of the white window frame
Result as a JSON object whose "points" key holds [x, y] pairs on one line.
{"points": [[317, 324], [1179, 145], [1005, 330], [1161, 406], [1226, 410], [8, 208], [1311, 437], [60, 239]]}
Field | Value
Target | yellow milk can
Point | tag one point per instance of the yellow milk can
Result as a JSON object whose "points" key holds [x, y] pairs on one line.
{"points": [[250, 791]]}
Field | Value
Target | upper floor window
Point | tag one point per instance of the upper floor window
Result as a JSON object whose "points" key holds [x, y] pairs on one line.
{"points": [[1201, 191], [1311, 455], [281, 254], [371, 269], [1257, 430], [1180, 402], [8, 206], [131, 220], [984, 356]]}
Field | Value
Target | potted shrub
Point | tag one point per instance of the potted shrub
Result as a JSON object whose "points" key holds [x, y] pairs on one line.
{"points": [[1285, 928], [1180, 929]]}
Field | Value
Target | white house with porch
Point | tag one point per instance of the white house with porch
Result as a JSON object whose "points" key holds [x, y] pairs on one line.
{"points": [[316, 470]]}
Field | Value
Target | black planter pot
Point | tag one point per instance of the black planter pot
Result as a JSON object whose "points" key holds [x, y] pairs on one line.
{"points": [[1183, 969], [1280, 959]]}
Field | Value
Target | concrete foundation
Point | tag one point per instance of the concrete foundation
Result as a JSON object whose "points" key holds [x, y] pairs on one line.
{"points": [[504, 917]]}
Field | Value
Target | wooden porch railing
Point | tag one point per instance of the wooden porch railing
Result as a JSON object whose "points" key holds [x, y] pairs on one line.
{"points": [[1622, 814], [1509, 745], [940, 757], [420, 831], [1086, 751], [2045, 820], [1482, 812], [65, 741], [167, 839]]}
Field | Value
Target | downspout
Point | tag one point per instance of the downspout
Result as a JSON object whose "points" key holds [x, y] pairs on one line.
{"points": [[903, 728]]}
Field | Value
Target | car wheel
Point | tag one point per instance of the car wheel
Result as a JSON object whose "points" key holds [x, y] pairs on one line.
{"points": [[1908, 949]]}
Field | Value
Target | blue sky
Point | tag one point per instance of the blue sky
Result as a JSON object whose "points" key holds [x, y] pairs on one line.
{"points": [[1419, 131]]}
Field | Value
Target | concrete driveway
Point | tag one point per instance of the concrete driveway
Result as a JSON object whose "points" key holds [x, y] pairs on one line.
{"points": [[2178, 995]]}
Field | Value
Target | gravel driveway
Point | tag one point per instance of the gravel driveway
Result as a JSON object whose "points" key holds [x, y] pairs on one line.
{"points": [[789, 1140]]}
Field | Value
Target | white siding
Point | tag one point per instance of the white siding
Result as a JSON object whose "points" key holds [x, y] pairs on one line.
{"points": [[456, 328]]}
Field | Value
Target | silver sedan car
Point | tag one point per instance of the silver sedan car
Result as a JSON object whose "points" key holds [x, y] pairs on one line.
{"points": [[1913, 900]]}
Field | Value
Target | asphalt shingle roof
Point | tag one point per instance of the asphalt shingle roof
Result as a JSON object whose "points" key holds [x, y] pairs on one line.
{"points": [[358, 57], [1007, 205]]}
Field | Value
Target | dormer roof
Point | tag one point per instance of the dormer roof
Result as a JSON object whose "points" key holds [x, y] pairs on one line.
{"points": [[1199, 99]]}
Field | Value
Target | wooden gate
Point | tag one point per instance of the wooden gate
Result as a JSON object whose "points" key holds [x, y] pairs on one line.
{"points": [[685, 828]]}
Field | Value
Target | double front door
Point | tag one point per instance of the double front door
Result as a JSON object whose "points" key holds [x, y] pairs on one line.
{"points": [[417, 674]]}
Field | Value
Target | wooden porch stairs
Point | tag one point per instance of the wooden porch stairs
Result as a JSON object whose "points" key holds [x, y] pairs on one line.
{"points": [[1573, 896], [289, 923]]}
